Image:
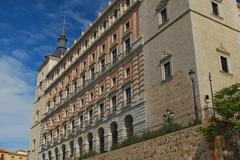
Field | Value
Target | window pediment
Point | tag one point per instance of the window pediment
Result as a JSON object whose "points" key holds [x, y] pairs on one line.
{"points": [[166, 55], [223, 49], [161, 4]]}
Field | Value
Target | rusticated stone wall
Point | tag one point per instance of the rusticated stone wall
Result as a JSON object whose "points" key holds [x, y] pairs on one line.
{"points": [[186, 144]]}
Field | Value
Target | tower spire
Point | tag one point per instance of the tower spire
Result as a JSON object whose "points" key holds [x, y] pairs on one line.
{"points": [[62, 41], [63, 26]]}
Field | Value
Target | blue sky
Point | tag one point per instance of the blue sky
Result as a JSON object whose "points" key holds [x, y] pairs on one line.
{"points": [[28, 31]]}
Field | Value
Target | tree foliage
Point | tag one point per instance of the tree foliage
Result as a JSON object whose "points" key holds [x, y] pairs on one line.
{"points": [[227, 103], [227, 109]]}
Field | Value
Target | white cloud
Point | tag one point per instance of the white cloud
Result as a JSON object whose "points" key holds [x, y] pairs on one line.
{"points": [[16, 100], [20, 54], [78, 18], [31, 37]]}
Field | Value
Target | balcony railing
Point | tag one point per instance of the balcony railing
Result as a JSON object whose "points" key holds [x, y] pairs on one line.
{"points": [[120, 57]]}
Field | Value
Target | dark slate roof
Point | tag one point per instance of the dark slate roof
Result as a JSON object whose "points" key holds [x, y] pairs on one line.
{"points": [[59, 52]]}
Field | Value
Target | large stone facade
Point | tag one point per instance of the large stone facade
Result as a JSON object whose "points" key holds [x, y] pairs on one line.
{"points": [[128, 68], [182, 145], [192, 38]]}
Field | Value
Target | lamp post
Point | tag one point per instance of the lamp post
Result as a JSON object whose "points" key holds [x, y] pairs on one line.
{"points": [[168, 116], [192, 78], [211, 88]]}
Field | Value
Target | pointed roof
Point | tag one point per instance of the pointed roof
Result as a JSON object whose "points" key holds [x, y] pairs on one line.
{"points": [[62, 42]]}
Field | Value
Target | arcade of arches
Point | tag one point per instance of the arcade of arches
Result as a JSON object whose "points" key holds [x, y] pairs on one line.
{"points": [[100, 142]]}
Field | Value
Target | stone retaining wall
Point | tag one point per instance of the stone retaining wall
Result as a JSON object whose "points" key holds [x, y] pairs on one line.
{"points": [[186, 144]]}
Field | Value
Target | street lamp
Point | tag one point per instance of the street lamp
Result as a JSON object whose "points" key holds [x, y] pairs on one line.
{"points": [[168, 116], [211, 88], [192, 78]]}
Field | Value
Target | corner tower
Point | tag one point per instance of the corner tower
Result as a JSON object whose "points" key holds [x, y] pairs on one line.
{"points": [[40, 97]]}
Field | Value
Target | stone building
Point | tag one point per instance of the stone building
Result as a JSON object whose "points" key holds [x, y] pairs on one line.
{"points": [[128, 68]]}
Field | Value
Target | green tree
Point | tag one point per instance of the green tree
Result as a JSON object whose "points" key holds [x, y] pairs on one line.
{"points": [[227, 120]]}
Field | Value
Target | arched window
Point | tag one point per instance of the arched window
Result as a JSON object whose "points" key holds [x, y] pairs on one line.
{"points": [[129, 125], [90, 142], [114, 131], [43, 156], [71, 148], [49, 155], [101, 139], [63, 152], [56, 153], [80, 143]]}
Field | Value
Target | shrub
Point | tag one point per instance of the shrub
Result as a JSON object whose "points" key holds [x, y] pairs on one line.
{"points": [[89, 154], [167, 128], [227, 108]]}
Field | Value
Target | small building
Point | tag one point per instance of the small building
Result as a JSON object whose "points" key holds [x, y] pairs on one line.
{"points": [[18, 155]]}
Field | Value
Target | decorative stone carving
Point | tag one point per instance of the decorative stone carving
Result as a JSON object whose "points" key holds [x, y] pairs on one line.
{"points": [[161, 4], [223, 49], [166, 55]]}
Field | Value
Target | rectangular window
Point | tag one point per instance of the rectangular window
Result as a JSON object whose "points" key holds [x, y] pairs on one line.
{"points": [[57, 133], [128, 94], [128, 2], [114, 38], [90, 116], [65, 128], [224, 64], [81, 121], [114, 103], [82, 102], [93, 56], [68, 90], [127, 72], [75, 85], [238, 4], [102, 64], [116, 13], [91, 96], [215, 9], [167, 70], [92, 73], [162, 15], [102, 89], [114, 81], [127, 44], [34, 144], [83, 80], [101, 110], [72, 124], [127, 26], [114, 55], [103, 47]]}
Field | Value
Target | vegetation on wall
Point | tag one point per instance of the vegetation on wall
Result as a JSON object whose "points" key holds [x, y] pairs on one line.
{"points": [[167, 128], [89, 154], [226, 122], [227, 110]]}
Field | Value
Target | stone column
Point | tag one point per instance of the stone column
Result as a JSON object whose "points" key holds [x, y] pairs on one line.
{"points": [[105, 142], [60, 156], [67, 151], [96, 143], [108, 140], [122, 133], [85, 146], [77, 150]]}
